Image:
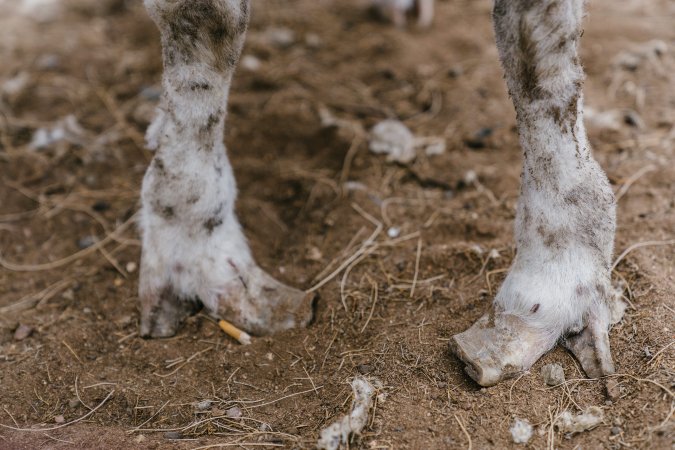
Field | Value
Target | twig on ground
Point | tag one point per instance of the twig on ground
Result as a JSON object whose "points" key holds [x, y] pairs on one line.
{"points": [[65, 424], [466, 433], [632, 179], [641, 245]]}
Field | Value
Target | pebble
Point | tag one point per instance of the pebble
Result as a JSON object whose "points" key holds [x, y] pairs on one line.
{"points": [[553, 374], [59, 419], [279, 36], [234, 413], [86, 241], [131, 267], [152, 93], [22, 332], [251, 63], [393, 232], [364, 369]]}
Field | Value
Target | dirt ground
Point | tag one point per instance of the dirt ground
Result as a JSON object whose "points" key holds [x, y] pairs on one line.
{"points": [[70, 186]]}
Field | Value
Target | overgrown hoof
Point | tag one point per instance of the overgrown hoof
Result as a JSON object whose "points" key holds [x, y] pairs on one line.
{"points": [[498, 347]]}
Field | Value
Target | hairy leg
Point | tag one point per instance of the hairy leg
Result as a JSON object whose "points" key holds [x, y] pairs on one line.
{"points": [[559, 283], [194, 252]]}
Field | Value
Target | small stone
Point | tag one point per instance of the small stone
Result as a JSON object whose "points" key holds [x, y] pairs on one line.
{"points": [[314, 254], [364, 369], [86, 241], [172, 435], [312, 40], [118, 282], [251, 63], [152, 93], [521, 431], [22, 332], [615, 431], [48, 61], [131, 267], [553, 374], [394, 232], [59, 419], [280, 36], [234, 413]]}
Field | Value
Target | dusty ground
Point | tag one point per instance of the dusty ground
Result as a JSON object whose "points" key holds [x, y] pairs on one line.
{"points": [[302, 187]]}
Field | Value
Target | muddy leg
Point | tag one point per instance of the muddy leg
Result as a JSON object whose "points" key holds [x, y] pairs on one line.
{"points": [[559, 283], [194, 252]]}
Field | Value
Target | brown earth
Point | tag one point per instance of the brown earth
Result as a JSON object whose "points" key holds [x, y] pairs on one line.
{"points": [[100, 62]]}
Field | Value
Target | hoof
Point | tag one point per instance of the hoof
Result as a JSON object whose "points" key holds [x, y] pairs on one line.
{"points": [[498, 347], [261, 305]]}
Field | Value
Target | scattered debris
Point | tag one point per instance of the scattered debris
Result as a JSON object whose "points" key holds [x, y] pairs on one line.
{"points": [[41, 11], [314, 254], [13, 87], [243, 337], [313, 40], [86, 241], [649, 51], [203, 405], [364, 369], [430, 145], [22, 332], [553, 374], [251, 63], [281, 37], [478, 140], [353, 423], [611, 119], [587, 420], [234, 413], [602, 120], [172, 435], [67, 129], [393, 138], [521, 431], [393, 232]]}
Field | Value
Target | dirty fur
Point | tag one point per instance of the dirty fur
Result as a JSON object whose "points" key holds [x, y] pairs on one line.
{"points": [[565, 219], [193, 247]]}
